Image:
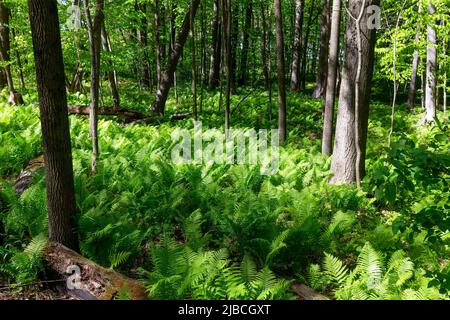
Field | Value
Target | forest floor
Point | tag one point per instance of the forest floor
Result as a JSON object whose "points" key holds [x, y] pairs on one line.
{"points": [[143, 216]]}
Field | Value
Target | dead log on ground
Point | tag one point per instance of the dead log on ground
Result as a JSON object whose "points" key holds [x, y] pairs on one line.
{"points": [[306, 293], [127, 116], [94, 282], [25, 179]]}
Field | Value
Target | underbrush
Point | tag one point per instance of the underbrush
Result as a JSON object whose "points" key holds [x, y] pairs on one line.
{"points": [[224, 231]]}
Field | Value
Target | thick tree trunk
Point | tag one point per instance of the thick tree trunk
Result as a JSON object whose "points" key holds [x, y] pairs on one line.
{"points": [[5, 45], [345, 150], [214, 71], [167, 76], [322, 72], [281, 71], [297, 48], [330, 96], [94, 30], [430, 96], [111, 74], [246, 43], [54, 121]]}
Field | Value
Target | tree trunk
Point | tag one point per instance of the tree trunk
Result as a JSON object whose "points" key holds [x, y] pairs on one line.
{"points": [[264, 47], [226, 23], [157, 40], [330, 96], [94, 30], [214, 71], [281, 71], [246, 43], [345, 154], [297, 48], [304, 61], [111, 74], [321, 81], [413, 82], [54, 121], [193, 64], [5, 45], [167, 76], [430, 96], [146, 73]]}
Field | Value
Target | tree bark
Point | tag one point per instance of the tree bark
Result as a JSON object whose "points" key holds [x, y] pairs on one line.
{"points": [[246, 43], [111, 74], [54, 121], [430, 97], [157, 40], [413, 82], [330, 96], [297, 48], [167, 76], [322, 72], [281, 71], [214, 71], [345, 156], [5, 45], [227, 59], [304, 61], [193, 64], [264, 47], [94, 30], [146, 74]]}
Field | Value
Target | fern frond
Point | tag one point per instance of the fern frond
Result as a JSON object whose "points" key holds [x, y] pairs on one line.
{"points": [[334, 269]]}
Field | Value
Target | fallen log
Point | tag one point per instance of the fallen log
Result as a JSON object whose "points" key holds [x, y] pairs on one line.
{"points": [[25, 179], [306, 293], [93, 282], [127, 116]]}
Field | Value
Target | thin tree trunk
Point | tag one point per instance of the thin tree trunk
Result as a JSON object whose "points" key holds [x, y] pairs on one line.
{"points": [[146, 72], [297, 48], [281, 71], [5, 45], [94, 30], [430, 97], [305, 48], [111, 74], [167, 76], [214, 70], [413, 82], [172, 46], [19, 63], [264, 47], [157, 40], [246, 43], [327, 138], [321, 81], [54, 121], [226, 23], [193, 64]]}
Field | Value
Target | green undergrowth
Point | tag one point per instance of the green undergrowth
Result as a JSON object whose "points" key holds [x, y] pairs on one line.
{"points": [[224, 231]]}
